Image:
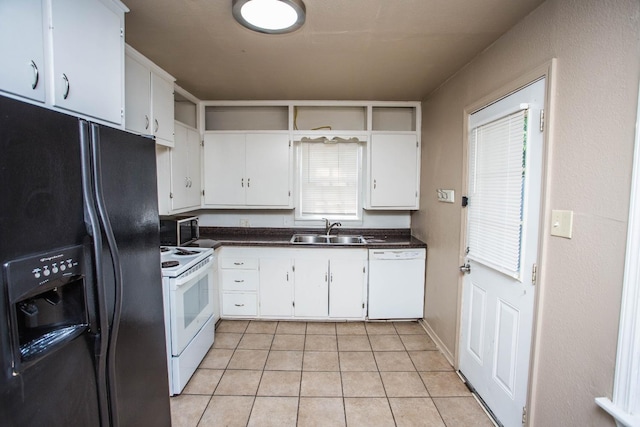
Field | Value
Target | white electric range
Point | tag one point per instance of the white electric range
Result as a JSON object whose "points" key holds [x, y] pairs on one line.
{"points": [[188, 285]]}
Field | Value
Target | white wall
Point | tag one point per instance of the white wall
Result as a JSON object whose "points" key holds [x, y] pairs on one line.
{"points": [[596, 43], [285, 219]]}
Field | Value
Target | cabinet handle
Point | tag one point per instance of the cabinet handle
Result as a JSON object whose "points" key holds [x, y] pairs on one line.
{"points": [[67, 86], [287, 276], [36, 75], [374, 184], [325, 277], [248, 182], [238, 263], [331, 278], [242, 182], [239, 281], [186, 182], [157, 125], [146, 121], [239, 305]]}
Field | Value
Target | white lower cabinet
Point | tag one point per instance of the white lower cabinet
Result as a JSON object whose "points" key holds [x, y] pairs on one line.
{"points": [[239, 283], [311, 294], [330, 283], [276, 287], [282, 283], [347, 287]]}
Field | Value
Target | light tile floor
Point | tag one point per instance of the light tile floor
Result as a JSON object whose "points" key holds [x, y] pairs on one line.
{"points": [[261, 373]]}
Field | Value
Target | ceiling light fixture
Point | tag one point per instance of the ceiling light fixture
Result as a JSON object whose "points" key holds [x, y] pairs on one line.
{"points": [[270, 16]]}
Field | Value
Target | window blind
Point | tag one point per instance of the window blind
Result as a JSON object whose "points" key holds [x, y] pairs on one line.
{"points": [[497, 155], [329, 179]]}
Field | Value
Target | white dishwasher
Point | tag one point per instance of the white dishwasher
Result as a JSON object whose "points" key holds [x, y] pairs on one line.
{"points": [[396, 283]]}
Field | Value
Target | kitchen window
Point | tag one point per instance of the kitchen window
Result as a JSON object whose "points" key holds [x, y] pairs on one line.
{"points": [[329, 179]]}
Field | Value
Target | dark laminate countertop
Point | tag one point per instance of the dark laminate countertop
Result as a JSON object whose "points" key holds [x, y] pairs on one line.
{"points": [[249, 236]]}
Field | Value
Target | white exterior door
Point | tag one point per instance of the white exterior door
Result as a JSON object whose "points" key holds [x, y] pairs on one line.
{"points": [[505, 167]]}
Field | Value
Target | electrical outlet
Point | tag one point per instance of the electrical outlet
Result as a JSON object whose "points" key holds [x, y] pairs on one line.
{"points": [[244, 223], [446, 196]]}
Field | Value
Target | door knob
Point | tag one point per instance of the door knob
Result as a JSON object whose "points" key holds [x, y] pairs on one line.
{"points": [[466, 269]]}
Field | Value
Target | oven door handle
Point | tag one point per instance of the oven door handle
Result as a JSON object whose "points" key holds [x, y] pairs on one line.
{"points": [[181, 281]]}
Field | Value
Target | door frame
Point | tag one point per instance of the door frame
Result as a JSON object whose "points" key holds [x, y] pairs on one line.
{"points": [[547, 71]]}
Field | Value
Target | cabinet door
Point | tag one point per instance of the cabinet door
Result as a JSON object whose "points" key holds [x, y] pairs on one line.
{"points": [[224, 181], [394, 171], [276, 290], [137, 96], [193, 168], [88, 46], [268, 162], [162, 110], [311, 287], [22, 48], [347, 282], [185, 167], [180, 168]]}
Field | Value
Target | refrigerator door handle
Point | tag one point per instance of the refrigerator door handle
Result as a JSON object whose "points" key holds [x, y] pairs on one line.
{"points": [[93, 228], [117, 270]]}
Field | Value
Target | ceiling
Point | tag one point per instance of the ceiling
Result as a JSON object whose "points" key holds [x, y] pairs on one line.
{"points": [[383, 50]]}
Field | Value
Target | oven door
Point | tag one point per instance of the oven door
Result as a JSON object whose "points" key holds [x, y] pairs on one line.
{"points": [[191, 305]]}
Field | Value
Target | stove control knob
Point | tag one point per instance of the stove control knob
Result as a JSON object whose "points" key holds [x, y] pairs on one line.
{"points": [[46, 271]]}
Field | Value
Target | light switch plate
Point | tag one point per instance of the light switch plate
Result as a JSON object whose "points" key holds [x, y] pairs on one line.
{"points": [[447, 196], [561, 223]]}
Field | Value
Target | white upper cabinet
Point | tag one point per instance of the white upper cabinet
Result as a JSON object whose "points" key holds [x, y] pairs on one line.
{"points": [[88, 44], [149, 103], [22, 49], [185, 168], [394, 162], [247, 170], [68, 54]]}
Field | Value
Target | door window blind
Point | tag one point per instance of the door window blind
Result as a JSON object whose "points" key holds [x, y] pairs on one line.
{"points": [[329, 179], [497, 155]]}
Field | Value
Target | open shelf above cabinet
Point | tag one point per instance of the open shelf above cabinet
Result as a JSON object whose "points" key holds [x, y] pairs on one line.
{"points": [[243, 118], [330, 118]]}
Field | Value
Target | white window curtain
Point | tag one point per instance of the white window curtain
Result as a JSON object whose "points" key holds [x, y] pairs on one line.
{"points": [[497, 156], [329, 180]]}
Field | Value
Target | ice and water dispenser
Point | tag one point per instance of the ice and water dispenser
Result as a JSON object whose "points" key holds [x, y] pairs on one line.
{"points": [[47, 303]]}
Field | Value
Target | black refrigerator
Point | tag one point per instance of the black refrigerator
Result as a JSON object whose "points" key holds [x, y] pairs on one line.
{"points": [[81, 308]]}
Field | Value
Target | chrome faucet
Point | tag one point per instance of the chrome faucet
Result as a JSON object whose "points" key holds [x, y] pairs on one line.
{"points": [[328, 226]]}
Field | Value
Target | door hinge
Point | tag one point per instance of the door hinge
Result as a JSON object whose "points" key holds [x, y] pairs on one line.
{"points": [[541, 120], [534, 274], [293, 268], [362, 305], [465, 201], [202, 143], [202, 193], [121, 32], [524, 415], [289, 193], [417, 144], [293, 303], [364, 269], [289, 143]]}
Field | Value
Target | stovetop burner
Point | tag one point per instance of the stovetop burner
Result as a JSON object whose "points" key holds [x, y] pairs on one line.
{"points": [[177, 260], [182, 252], [169, 264]]}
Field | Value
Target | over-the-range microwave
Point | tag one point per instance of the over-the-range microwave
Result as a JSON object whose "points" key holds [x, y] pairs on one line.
{"points": [[178, 230]]}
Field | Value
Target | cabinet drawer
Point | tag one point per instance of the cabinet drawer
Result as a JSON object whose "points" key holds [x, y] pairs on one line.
{"points": [[239, 263], [240, 280], [239, 304]]}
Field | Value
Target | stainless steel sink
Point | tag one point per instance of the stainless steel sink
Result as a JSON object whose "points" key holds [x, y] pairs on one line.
{"points": [[323, 239]]}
